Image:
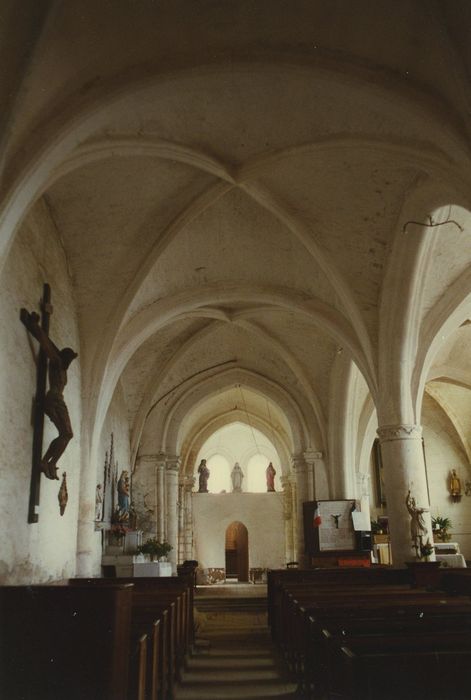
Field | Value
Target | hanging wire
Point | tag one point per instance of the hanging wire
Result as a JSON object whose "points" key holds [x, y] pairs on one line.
{"points": [[271, 424], [248, 419]]}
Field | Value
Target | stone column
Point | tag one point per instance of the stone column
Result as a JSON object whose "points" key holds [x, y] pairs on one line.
{"points": [[300, 469], [404, 469], [181, 520], [172, 468], [311, 457], [144, 488], [363, 493], [189, 484], [294, 514], [288, 519], [160, 497]]}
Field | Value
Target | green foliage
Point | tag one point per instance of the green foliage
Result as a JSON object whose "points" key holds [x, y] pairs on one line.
{"points": [[376, 527], [426, 549], [439, 523], [154, 548], [440, 527]]}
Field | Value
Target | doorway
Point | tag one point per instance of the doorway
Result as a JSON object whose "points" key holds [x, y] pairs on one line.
{"points": [[237, 552]]}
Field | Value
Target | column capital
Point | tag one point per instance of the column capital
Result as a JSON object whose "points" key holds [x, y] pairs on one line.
{"points": [[172, 463], [400, 431], [286, 482], [188, 483], [153, 457], [299, 464], [311, 456]]}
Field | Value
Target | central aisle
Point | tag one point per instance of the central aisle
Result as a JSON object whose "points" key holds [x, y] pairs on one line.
{"points": [[235, 657]]}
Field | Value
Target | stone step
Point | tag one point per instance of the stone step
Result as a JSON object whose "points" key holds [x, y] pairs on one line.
{"points": [[241, 676], [226, 661], [222, 651], [224, 691]]}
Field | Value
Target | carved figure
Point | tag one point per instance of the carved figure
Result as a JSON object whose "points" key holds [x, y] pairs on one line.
{"points": [[455, 484], [54, 404], [270, 476], [98, 503], [203, 472], [336, 520], [123, 495], [418, 527], [63, 495], [237, 476]]}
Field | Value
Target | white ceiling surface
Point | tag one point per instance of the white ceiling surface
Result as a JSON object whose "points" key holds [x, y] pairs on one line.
{"points": [[253, 159]]}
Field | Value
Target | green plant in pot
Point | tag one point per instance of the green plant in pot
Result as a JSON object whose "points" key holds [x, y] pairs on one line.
{"points": [[426, 549], [440, 528], [154, 549]]}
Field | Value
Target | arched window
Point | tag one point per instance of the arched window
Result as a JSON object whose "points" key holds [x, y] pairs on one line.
{"points": [[256, 478], [220, 474]]}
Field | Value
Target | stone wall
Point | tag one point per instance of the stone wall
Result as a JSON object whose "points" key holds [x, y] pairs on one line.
{"points": [[45, 550], [261, 513], [443, 452]]}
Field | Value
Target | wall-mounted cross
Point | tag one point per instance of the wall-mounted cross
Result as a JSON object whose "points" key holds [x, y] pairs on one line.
{"points": [[52, 404]]}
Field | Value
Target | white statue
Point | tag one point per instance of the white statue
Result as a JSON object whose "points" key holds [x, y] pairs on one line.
{"points": [[418, 527], [98, 503], [237, 476]]}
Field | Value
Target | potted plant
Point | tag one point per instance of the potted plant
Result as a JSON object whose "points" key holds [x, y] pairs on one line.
{"points": [[426, 549], [440, 528], [154, 549]]}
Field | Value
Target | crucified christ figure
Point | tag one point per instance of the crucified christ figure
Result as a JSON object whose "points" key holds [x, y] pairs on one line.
{"points": [[54, 404]]}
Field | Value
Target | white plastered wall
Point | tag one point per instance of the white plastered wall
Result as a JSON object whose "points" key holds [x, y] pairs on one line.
{"points": [[262, 515], [43, 551]]}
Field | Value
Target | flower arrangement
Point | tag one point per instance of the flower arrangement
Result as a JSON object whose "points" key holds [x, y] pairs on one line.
{"points": [[426, 549], [118, 529], [155, 549]]}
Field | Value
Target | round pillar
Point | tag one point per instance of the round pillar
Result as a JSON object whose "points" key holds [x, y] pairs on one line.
{"points": [[288, 519], [301, 471], [160, 497], [172, 469], [404, 471]]}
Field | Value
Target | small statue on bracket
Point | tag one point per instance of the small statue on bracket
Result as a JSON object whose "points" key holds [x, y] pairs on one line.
{"points": [[455, 486]]}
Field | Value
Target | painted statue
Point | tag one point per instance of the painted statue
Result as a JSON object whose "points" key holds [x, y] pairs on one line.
{"points": [[455, 483], [123, 495], [203, 472], [270, 475]]}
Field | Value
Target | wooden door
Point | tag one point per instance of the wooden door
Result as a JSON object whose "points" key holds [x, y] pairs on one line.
{"points": [[237, 551]]}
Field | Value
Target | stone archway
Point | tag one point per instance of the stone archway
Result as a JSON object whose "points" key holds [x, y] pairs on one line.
{"points": [[237, 552]]}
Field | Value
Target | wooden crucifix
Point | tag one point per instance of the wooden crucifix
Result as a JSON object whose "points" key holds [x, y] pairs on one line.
{"points": [[54, 362]]}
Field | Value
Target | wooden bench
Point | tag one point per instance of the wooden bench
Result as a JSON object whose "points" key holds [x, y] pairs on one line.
{"points": [[401, 668], [162, 600], [304, 608], [66, 642]]}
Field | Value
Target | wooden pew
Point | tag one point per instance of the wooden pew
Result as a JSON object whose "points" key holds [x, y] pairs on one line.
{"points": [[401, 668], [303, 608], [278, 579], [65, 642], [157, 599]]}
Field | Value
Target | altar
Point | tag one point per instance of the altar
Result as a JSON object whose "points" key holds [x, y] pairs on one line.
{"points": [[448, 553]]}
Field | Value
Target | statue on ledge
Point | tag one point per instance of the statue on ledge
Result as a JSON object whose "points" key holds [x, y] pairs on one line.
{"points": [[203, 472], [237, 476], [270, 476]]}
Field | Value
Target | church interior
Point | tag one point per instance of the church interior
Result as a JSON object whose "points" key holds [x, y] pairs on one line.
{"points": [[235, 318]]}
